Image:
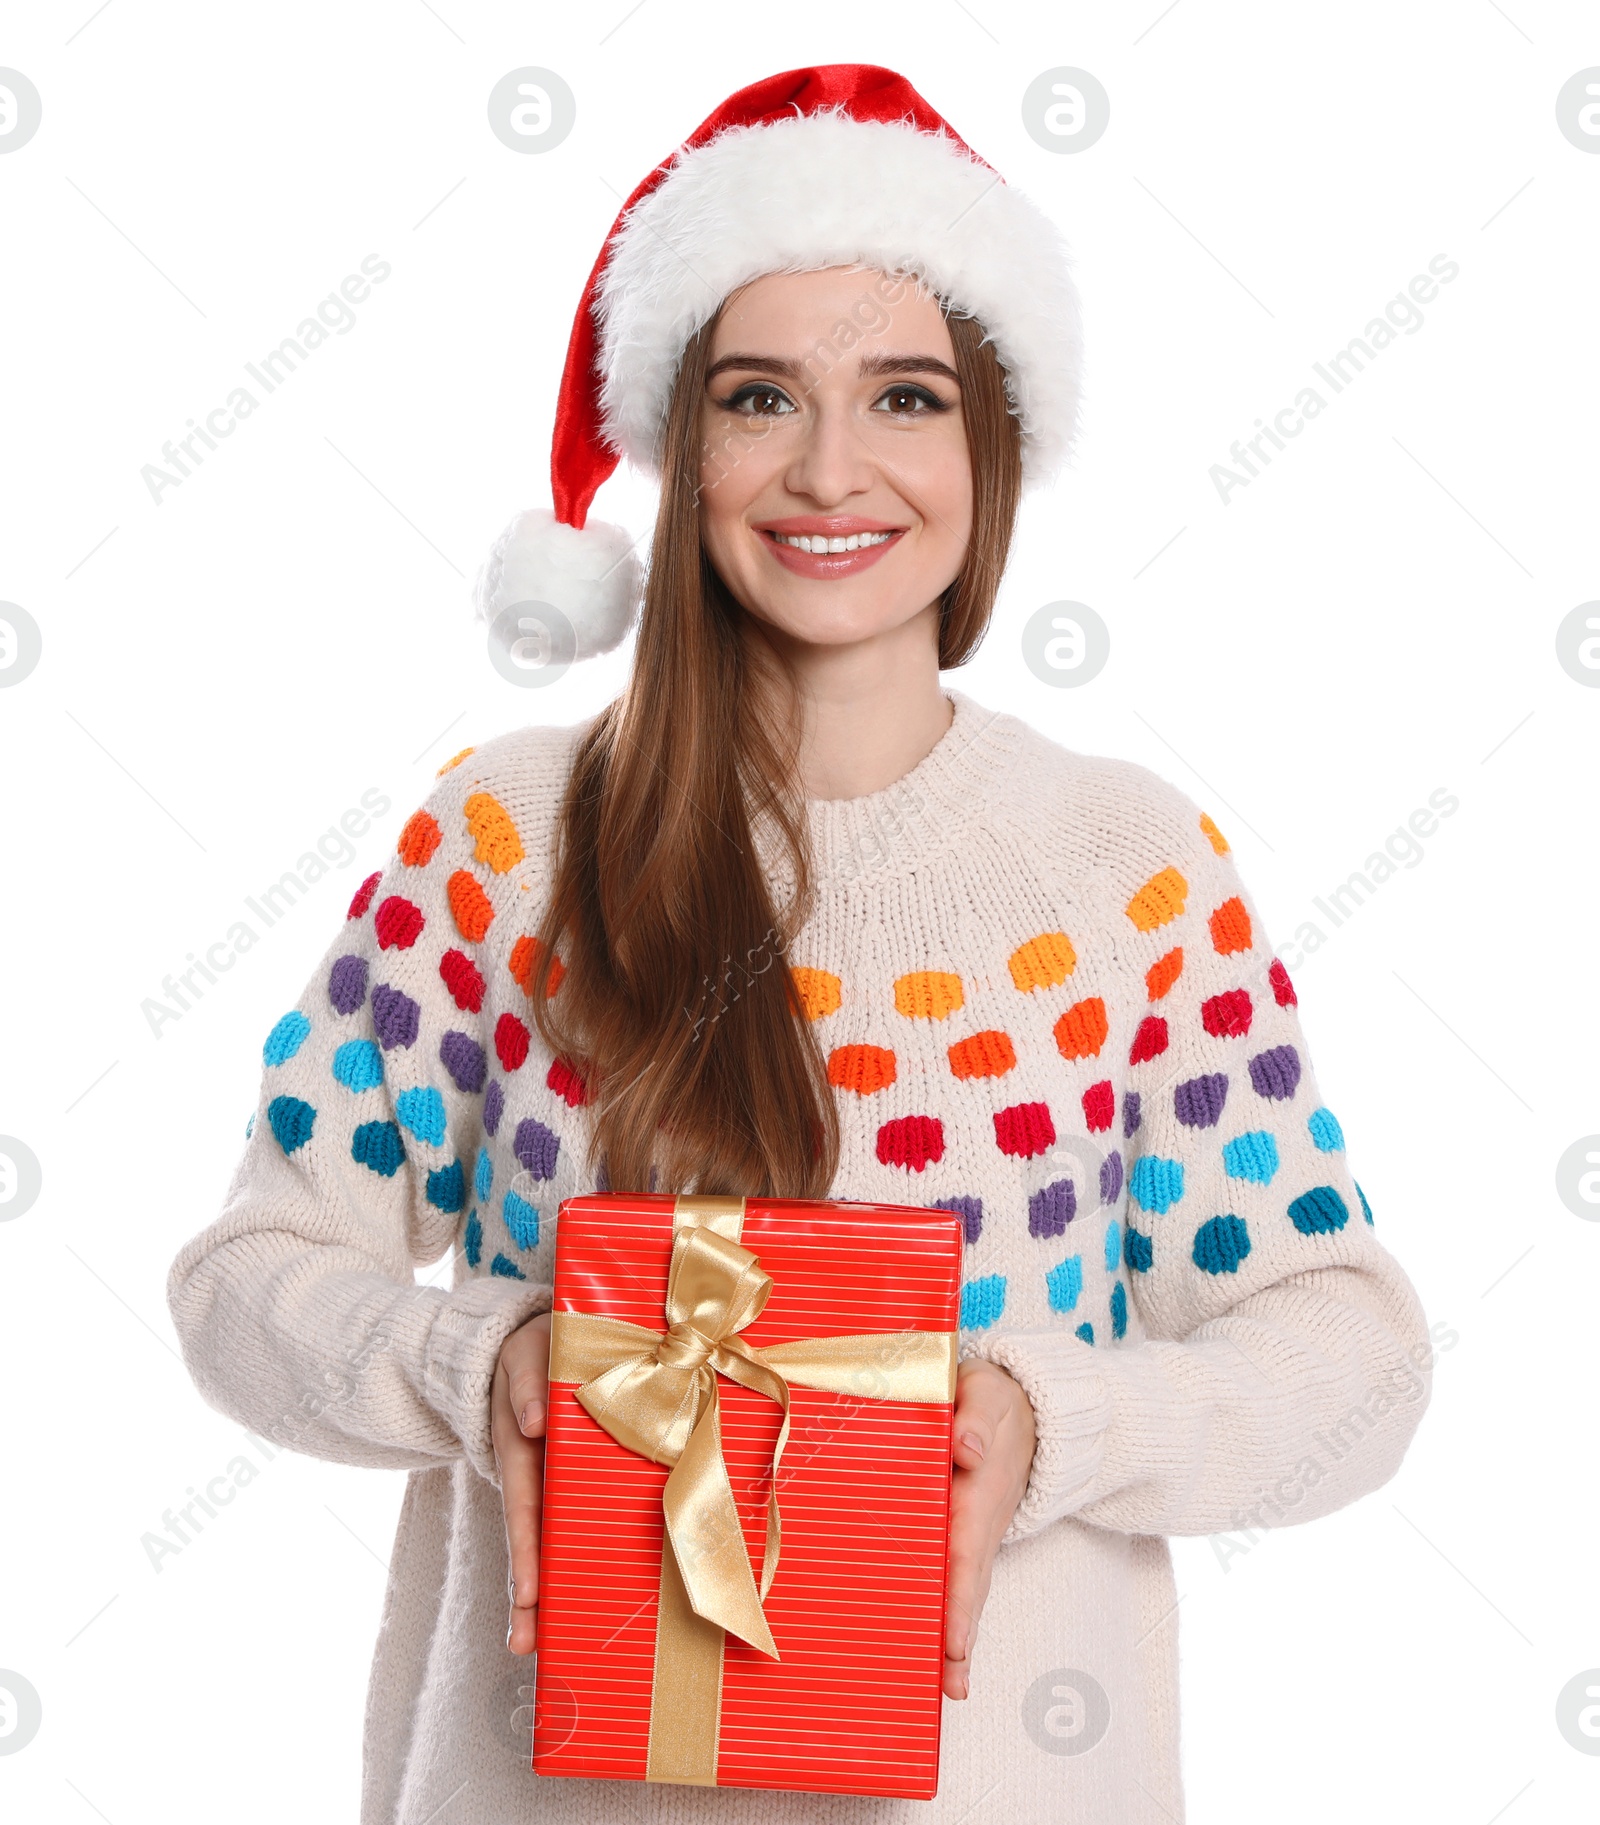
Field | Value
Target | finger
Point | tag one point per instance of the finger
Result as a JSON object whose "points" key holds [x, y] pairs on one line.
{"points": [[526, 1357], [982, 1403], [522, 1478]]}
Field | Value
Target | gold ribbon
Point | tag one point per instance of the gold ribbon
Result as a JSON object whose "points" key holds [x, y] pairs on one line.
{"points": [[655, 1392]]}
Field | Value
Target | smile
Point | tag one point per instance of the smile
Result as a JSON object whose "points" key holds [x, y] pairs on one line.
{"points": [[826, 547], [803, 541]]}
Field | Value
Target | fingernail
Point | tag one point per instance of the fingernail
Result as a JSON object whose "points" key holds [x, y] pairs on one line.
{"points": [[509, 1627], [532, 1414], [972, 1442]]}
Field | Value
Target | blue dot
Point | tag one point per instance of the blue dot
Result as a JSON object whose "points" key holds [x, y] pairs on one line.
{"points": [[521, 1220], [1155, 1184], [1366, 1208], [1138, 1251], [472, 1241], [358, 1065], [1325, 1130], [286, 1038], [378, 1145], [1064, 1283], [982, 1302], [1113, 1247], [1119, 1309], [482, 1174], [506, 1268], [1220, 1244], [291, 1120], [1085, 1331], [1319, 1210], [447, 1188], [1252, 1156], [422, 1112], [250, 1126]]}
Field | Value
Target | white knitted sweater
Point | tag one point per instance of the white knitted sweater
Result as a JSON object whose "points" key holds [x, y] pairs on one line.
{"points": [[1048, 1001]]}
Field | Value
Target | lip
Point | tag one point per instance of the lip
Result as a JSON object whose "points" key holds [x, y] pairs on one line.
{"points": [[826, 565]]}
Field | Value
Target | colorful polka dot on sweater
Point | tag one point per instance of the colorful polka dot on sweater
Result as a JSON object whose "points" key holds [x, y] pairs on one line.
{"points": [[286, 1038]]}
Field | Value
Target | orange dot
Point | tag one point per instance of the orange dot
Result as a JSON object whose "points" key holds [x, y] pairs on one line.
{"points": [[493, 831], [524, 964], [863, 1069], [469, 906], [928, 994], [1081, 1031], [454, 761], [1213, 835], [1230, 927], [1159, 900], [1164, 972], [819, 992], [1043, 962], [418, 840], [988, 1054]]}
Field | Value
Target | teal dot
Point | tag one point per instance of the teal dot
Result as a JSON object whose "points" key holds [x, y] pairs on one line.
{"points": [[422, 1113], [250, 1126], [1319, 1210], [1113, 1247], [1137, 1250], [1064, 1283], [447, 1188], [378, 1145], [1325, 1130], [292, 1121], [286, 1038], [483, 1174], [358, 1065], [1366, 1208], [1085, 1331], [506, 1268], [1252, 1156], [521, 1220], [1119, 1309], [982, 1302], [472, 1241], [1155, 1184], [1220, 1244]]}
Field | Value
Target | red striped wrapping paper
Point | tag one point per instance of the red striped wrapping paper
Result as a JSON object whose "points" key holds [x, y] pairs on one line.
{"points": [[857, 1607]]}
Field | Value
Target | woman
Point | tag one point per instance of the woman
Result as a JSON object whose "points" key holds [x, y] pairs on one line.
{"points": [[788, 917]]}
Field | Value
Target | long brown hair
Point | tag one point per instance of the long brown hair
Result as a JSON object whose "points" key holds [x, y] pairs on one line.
{"points": [[659, 973]]}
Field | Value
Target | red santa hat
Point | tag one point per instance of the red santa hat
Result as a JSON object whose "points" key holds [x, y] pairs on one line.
{"points": [[841, 165]]}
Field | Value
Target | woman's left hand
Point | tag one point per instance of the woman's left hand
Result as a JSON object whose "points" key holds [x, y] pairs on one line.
{"points": [[993, 1451]]}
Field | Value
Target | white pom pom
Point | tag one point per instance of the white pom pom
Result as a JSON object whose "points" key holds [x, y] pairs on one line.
{"points": [[592, 577]]}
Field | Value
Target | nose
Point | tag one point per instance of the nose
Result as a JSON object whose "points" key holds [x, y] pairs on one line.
{"points": [[832, 461]]}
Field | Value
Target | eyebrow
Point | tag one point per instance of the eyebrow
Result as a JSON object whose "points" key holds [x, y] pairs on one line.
{"points": [[871, 366]]}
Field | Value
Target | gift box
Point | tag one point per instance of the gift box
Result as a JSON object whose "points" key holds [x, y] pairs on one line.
{"points": [[747, 1493]]}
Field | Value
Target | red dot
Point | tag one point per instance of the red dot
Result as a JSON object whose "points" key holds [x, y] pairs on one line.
{"points": [[1024, 1129], [1099, 1105], [568, 1083], [399, 923], [912, 1141], [364, 895], [1282, 987], [463, 979], [1227, 1016], [511, 1042], [1150, 1041]]}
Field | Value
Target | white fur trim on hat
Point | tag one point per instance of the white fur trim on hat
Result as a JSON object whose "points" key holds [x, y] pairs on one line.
{"points": [[827, 190], [591, 577]]}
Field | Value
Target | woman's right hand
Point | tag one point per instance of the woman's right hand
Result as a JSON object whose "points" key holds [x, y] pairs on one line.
{"points": [[517, 1407]]}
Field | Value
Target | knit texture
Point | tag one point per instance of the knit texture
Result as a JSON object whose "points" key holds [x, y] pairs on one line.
{"points": [[1048, 1004]]}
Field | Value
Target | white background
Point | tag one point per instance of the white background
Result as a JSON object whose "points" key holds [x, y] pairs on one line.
{"points": [[1372, 618]]}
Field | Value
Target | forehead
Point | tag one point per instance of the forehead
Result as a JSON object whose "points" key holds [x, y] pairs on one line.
{"points": [[786, 314]]}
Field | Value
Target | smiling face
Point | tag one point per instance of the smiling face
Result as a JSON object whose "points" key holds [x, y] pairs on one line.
{"points": [[835, 480]]}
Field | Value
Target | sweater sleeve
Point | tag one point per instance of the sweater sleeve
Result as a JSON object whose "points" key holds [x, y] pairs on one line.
{"points": [[1285, 1360], [298, 1309]]}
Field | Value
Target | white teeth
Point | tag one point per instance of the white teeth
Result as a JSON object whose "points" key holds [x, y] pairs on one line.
{"points": [[816, 542]]}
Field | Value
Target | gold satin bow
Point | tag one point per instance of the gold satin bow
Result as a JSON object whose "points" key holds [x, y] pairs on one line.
{"points": [[656, 1393]]}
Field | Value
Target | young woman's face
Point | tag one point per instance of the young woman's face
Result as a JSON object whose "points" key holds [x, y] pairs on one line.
{"points": [[835, 485]]}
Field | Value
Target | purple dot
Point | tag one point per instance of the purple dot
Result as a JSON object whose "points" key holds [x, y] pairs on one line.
{"points": [[536, 1147], [347, 984], [394, 1017], [1130, 1114], [1051, 1210], [494, 1104], [1110, 1177], [464, 1059], [1276, 1073], [969, 1210], [1197, 1103]]}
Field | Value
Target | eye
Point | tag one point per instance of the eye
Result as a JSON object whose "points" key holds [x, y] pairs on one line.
{"points": [[906, 401], [758, 399]]}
